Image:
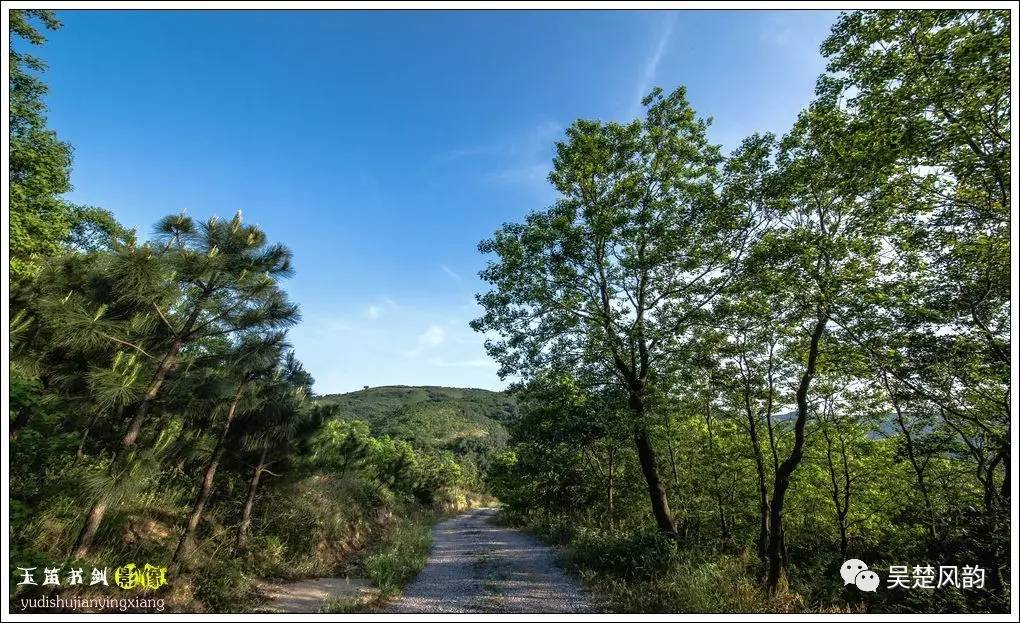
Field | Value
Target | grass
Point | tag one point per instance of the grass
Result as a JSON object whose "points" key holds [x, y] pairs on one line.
{"points": [[639, 571], [400, 554], [390, 563], [687, 586], [344, 605]]}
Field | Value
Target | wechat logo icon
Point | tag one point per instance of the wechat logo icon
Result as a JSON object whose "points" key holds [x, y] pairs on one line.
{"points": [[856, 572]]}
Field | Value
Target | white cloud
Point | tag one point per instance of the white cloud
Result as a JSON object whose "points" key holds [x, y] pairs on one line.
{"points": [[375, 311], [644, 85], [523, 174], [407, 344], [432, 337], [452, 273], [797, 36], [523, 158], [463, 363], [476, 151]]}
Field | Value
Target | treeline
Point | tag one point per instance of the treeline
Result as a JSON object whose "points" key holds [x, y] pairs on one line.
{"points": [[344, 447], [158, 414], [799, 351]]}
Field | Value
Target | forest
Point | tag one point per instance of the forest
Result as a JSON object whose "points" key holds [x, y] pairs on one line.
{"points": [[731, 372], [740, 370]]}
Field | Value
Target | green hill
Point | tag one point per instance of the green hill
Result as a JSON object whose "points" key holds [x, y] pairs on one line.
{"points": [[468, 422]]}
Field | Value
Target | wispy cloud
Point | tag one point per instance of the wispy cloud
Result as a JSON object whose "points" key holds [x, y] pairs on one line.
{"points": [[474, 151], [644, 84], [452, 273], [481, 362], [780, 36], [375, 310], [778, 30], [434, 336], [406, 345], [523, 174], [795, 35], [524, 158]]}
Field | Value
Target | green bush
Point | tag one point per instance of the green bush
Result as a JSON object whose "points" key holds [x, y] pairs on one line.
{"points": [[401, 555], [642, 571], [223, 586], [686, 586], [268, 554], [324, 523], [629, 555]]}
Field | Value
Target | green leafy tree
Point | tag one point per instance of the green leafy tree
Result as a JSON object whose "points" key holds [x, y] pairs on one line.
{"points": [[930, 91], [40, 164], [273, 431], [342, 445], [435, 472], [613, 277], [823, 258], [395, 463]]}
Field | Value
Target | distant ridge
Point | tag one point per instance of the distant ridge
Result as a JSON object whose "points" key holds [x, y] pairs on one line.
{"points": [[465, 421]]}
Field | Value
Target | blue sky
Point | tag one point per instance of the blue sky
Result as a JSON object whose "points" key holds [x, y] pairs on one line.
{"points": [[382, 146]]}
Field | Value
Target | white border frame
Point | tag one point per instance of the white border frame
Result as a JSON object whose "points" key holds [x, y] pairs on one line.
{"points": [[503, 5]]}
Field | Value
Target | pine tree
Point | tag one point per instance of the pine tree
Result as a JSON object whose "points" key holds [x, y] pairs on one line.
{"points": [[224, 275], [251, 363], [273, 432]]}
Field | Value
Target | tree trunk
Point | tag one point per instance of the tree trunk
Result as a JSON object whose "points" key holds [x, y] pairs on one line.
{"points": [[184, 545], [18, 423], [80, 454], [776, 549], [1005, 491], [724, 532], [84, 542], [88, 531], [763, 504], [762, 544], [169, 361], [844, 543], [915, 463], [646, 456], [997, 558], [242, 530], [840, 487], [609, 487], [669, 446]]}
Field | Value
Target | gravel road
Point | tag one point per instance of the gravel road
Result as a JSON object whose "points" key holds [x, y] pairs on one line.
{"points": [[476, 566]]}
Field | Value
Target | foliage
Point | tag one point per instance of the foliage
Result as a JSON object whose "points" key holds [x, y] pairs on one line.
{"points": [[803, 346], [467, 424], [40, 163], [376, 404], [400, 555]]}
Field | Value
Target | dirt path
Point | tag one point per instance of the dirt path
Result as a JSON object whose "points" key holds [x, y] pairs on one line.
{"points": [[476, 566], [309, 596]]}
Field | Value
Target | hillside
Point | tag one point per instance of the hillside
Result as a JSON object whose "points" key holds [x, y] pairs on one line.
{"points": [[468, 422]]}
